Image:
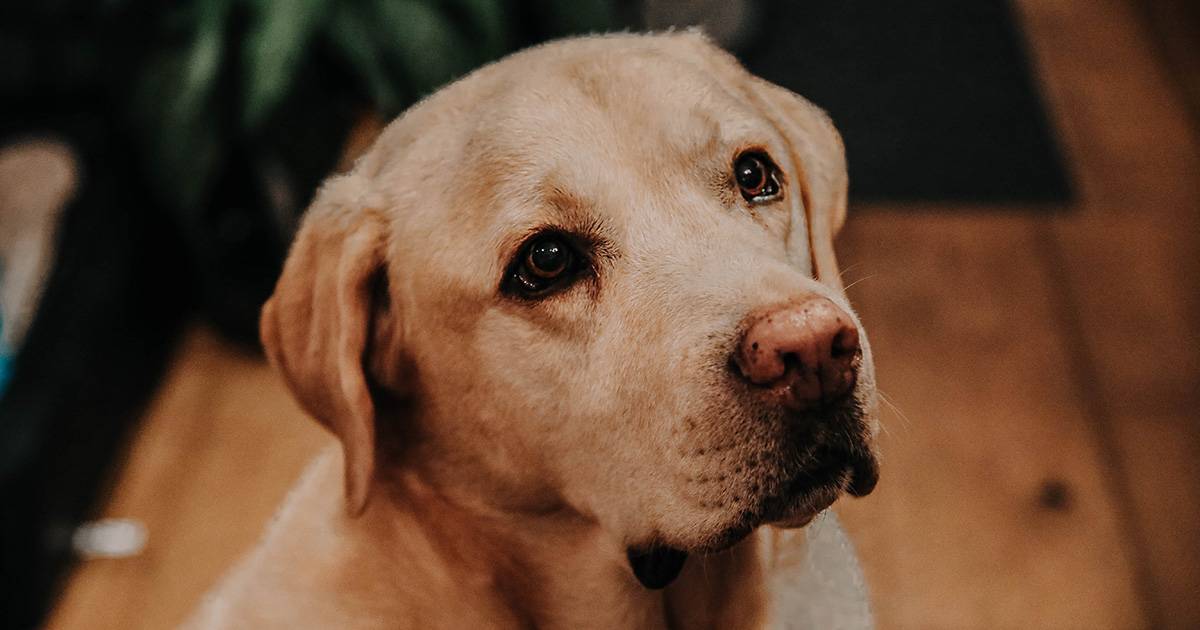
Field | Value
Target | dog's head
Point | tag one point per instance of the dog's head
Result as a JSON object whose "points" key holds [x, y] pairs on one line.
{"points": [[596, 276]]}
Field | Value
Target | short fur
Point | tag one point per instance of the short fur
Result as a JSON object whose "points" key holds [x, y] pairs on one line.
{"points": [[499, 456]]}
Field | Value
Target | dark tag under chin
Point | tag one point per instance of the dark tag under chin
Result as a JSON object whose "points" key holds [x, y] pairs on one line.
{"points": [[657, 567]]}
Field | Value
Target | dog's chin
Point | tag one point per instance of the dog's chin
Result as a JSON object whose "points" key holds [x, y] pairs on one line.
{"points": [[846, 468], [808, 493], [812, 492], [804, 509], [657, 565]]}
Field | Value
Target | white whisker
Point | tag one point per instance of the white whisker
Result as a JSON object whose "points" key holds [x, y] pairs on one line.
{"points": [[859, 280], [899, 413]]}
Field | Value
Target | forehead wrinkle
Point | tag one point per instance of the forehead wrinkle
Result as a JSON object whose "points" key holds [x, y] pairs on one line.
{"points": [[554, 206], [571, 208], [703, 141], [715, 127]]}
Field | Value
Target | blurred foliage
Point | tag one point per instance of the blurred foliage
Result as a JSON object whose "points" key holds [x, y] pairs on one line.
{"points": [[223, 116], [202, 82]]}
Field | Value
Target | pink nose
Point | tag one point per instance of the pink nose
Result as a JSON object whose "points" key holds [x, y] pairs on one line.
{"points": [[804, 352]]}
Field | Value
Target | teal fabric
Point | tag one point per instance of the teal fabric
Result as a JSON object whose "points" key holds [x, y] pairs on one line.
{"points": [[6, 361], [5, 371], [6, 353]]}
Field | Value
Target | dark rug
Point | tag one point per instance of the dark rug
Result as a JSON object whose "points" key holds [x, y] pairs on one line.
{"points": [[935, 99]]}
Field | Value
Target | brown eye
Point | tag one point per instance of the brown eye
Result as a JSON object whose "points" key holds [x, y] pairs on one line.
{"points": [[547, 262], [756, 177], [548, 258]]}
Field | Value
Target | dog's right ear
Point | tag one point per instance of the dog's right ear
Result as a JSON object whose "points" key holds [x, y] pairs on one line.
{"points": [[316, 326]]}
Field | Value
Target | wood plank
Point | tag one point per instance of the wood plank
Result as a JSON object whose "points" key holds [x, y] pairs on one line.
{"points": [[1129, 266], [993, 510], [217, 451], [1174, 25]]}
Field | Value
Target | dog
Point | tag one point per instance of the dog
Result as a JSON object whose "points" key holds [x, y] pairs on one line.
{"points": [[577, 324]]}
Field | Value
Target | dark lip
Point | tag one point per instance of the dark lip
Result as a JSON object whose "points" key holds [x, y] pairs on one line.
{"points": [[806, 496], [809, 492], [813, 480], [814, 489]]}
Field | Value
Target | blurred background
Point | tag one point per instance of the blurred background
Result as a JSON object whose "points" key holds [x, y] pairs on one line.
{"points": [[1023, 246]]}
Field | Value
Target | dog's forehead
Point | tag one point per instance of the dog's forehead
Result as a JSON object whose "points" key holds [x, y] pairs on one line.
{"points": [[601, 124], [627, 132], [639, 99]]}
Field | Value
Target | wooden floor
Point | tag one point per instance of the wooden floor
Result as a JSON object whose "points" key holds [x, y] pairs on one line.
{"points": [[1042, 459]]}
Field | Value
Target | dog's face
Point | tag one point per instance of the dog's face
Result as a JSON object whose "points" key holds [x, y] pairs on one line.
{"points": [[596, 276]]}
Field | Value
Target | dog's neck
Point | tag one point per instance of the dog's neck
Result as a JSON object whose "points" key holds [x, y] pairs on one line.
{"points": [[545, 570], [415, 559]]}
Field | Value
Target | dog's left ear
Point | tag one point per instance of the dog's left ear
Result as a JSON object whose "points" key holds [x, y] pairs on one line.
{"points": [[316, 326], [820, 158]]}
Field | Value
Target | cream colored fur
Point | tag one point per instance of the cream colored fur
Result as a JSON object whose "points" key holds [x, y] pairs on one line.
{"points": [[499, 456]]}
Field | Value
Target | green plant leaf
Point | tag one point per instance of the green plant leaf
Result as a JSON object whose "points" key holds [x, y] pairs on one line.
{"points": [[350, 31], [276, 42], [422, 43], [174, 109], [489, 22]]}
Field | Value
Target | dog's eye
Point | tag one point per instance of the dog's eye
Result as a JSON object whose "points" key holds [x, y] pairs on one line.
{"points": [[545, 263], [548, 258], [757, 177]]}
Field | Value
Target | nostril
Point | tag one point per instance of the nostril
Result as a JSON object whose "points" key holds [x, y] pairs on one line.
{"points": [[845, 344], [791, 363]]}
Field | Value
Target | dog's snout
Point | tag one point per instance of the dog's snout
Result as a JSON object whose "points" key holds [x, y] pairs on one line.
{"points": [[806, 352]]}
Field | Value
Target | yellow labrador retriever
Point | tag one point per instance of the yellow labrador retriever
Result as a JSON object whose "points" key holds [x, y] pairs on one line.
{"points": [[577, 323]]}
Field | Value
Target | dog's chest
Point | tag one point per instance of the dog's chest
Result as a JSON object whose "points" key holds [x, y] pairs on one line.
{"points": [[814, 580]]}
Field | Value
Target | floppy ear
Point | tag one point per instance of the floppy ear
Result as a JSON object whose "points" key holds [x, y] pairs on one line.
{"points": [[819, 157], [316, 325]]}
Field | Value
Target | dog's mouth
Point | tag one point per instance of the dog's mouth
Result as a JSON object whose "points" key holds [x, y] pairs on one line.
{"points": [[807, 494], [812, 491], [813, 488]]}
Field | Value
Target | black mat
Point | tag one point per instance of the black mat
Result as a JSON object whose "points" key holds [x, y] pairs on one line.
{"points": [[114, 304], [935, 99]]}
